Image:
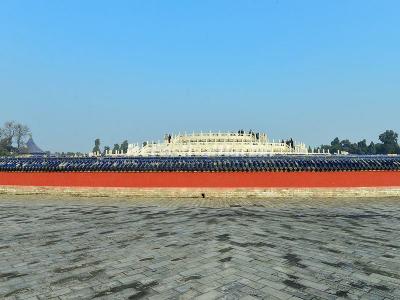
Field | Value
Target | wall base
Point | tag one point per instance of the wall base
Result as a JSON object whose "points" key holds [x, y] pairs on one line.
{"points": [[203, 192]]}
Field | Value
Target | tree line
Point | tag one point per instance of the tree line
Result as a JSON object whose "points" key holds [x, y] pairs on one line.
{"points": [[116, 149], [388, 145], [13, 138]]}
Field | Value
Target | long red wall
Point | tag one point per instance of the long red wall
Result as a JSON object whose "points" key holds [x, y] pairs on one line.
{"points": [[204, 179]]}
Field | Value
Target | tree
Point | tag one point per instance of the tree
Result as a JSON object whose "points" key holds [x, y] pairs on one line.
{"points": [[96, 148], [389, 137], [115, 149], [8, 130], [389, 144], [335, 146], [345, 145], [13, 137], [21, 134], [371, 148], [5, 146], [362, 147], [124, 146], [106, 149]]}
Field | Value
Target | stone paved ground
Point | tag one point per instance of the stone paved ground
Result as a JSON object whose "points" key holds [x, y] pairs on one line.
{"points": [[204, 249]]}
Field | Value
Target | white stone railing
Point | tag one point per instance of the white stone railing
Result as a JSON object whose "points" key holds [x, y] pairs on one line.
{"points": [[213, 144]]}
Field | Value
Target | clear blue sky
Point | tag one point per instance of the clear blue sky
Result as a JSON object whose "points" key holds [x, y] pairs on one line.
{"points": [[77, 70]]}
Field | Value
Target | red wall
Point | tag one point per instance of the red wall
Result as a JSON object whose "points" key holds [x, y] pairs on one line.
{"points": [[204, 179]]}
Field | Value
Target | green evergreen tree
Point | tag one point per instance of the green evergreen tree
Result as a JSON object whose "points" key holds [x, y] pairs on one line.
{"points": [[389, 141], [389, 145], [371, 149], [115, 149], [124, 146], [335, 146], [362, 147], [106, 149], [96, 147]]}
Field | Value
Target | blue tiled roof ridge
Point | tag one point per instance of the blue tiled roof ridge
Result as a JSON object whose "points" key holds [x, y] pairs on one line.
{"points": [[276, 163]]}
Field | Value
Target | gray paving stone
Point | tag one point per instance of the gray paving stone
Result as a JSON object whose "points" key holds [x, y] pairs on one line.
{"points": [[210, 295], [178, 249]]}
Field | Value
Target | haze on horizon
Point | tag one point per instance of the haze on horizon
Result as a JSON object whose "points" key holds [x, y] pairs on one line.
{"points": [[74, 71]]}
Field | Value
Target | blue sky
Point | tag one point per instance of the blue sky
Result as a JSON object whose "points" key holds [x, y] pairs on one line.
{"points": [[312, 70]]}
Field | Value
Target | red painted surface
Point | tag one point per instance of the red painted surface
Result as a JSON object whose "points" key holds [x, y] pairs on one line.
{"points": [[204, 179]]}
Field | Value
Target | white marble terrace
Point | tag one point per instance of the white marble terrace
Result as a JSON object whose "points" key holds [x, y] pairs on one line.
{"points": [[214, 144]]}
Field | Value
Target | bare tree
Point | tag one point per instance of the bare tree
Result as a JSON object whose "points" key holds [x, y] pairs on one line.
{"points": [[8, 130], [16, 133], [21, 134], [6, 137]]}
